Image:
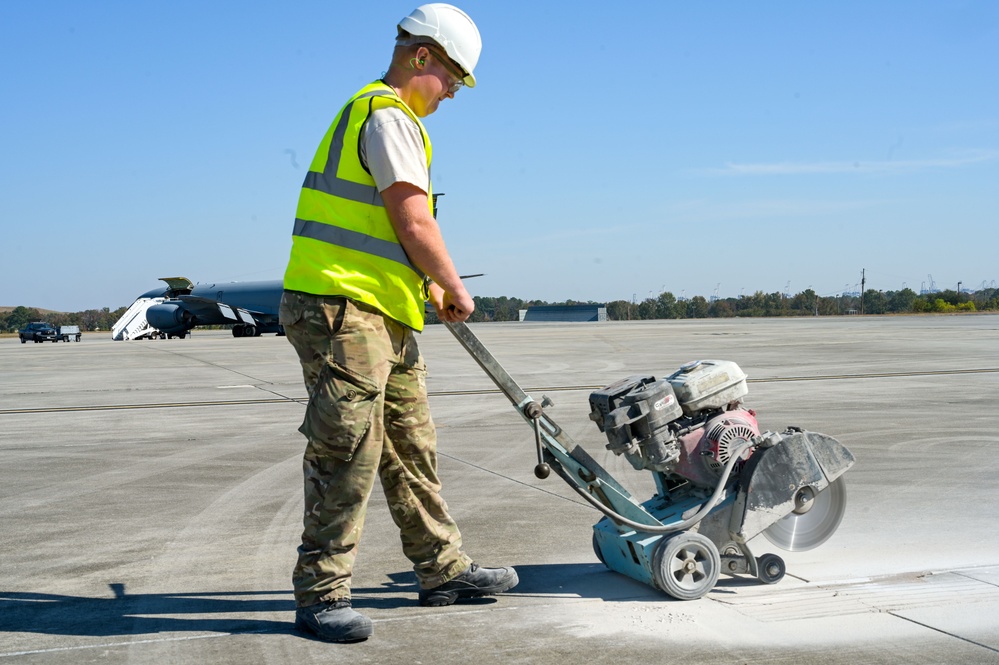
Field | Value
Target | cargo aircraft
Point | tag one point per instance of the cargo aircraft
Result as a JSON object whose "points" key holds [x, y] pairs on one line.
{"points": [[250, 307]]}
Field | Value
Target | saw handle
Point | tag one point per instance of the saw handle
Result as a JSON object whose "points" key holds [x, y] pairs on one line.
{"points": [[533, 411]]}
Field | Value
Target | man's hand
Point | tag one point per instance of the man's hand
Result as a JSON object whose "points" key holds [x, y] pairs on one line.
{"points": [[451, 307]]}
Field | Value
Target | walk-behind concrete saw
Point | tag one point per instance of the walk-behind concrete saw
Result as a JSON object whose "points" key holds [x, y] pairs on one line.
{"points": [[719, 480]]}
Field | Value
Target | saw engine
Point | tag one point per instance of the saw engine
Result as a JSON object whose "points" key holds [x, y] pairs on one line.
{"points": [[720, 481], [688, 425]]}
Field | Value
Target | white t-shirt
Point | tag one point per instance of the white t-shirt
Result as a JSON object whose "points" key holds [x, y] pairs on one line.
{"points": [[392, 149]]}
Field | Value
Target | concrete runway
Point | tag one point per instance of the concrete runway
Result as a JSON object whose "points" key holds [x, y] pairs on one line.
{"points": [[150, 499]]}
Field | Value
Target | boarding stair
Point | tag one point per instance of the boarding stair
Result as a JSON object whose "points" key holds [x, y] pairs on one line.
{"points": [[133, 323]]}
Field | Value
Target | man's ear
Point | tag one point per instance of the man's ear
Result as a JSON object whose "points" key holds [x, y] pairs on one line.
{"points": [[421, 55]]}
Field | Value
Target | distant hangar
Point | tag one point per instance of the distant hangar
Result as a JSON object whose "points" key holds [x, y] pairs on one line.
{"points": [[580, 313]]}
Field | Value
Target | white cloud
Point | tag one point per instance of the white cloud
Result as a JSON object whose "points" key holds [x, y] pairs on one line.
{"points": [[864, 167], [703, 210]]}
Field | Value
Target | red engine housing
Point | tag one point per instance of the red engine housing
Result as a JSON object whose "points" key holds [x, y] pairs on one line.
{"points": [[705, 451]]}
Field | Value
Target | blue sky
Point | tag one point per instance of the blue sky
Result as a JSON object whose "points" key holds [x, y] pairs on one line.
{"points": [[610, 150]]}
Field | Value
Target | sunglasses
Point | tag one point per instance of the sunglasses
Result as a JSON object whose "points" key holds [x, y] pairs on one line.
{"points": [[456, 79]]}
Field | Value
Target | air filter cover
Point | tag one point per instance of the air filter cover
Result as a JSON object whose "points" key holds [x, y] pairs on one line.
{"points": [[708, 384]]}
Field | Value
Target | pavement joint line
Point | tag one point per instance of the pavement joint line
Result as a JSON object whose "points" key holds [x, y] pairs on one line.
{"points": [[876, 375], [913, 574], [832, 585], [943, 632], [484, 391], [154, 405], [964, 573]]}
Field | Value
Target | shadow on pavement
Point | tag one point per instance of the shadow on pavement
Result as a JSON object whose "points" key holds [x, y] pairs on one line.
{"points": [[55, 614], [140, 614], [582, 580], [596, 581]]}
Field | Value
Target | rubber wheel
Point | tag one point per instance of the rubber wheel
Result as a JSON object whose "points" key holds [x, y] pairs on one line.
{"points": [[237, 331], [771, 567], [250, 331], [686, 565]]}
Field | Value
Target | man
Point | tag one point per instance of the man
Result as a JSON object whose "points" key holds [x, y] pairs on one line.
{"points": [[366, 253]]}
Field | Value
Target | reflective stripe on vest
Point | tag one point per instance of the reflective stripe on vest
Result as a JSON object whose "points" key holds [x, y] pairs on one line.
{"points": [[343, 242], [360, 242], [328, 182]]}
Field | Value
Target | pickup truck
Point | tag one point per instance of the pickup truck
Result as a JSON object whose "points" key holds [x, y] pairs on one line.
{"points": [[38, 332]]}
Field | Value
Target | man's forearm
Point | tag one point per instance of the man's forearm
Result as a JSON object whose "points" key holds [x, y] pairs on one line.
{"points": [[420, 235]]}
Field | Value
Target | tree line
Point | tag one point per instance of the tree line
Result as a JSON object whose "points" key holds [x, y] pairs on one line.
{"points": [[91, 319], [664, 306], [807, 303]]}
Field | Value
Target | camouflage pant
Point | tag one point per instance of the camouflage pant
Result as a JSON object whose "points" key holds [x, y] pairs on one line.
{"points": [[367, 416]]}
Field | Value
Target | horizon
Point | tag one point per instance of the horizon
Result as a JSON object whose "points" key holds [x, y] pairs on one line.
{"points": [[708, 298]]}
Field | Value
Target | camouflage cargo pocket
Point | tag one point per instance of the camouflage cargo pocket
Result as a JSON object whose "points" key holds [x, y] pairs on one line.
{"points": [[340, 411]]}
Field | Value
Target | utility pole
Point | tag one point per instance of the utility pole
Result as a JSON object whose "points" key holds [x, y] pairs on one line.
{"points": [[863, 280]]}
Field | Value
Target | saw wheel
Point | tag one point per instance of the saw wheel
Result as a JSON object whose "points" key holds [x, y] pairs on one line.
{"points": [[686, 565], [813, 522]]}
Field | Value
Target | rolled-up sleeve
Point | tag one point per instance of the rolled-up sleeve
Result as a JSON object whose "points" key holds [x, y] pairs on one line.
{"points": [[392, 149]]}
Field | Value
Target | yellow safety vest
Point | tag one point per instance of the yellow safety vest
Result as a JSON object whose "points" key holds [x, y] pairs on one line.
{"points": [[343, 243]]}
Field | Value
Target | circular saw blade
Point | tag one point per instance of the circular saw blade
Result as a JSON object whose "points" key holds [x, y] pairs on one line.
{"points": [[797, 533]]}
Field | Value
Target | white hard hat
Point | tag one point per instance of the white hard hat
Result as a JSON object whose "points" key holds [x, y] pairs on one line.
{"points": [[452, 29]]}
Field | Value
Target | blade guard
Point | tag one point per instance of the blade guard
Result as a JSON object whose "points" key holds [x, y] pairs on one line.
{"points": [[772, 478]]}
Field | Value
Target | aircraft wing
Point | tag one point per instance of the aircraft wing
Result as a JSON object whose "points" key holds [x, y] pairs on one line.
{"points": [[211, 312]]}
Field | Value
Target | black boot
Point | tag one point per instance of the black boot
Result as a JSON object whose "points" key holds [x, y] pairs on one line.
{"points": [[333, 621], [474, 582]]}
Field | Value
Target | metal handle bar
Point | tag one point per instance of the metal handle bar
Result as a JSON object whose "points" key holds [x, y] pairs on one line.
{"points": [[614, 501]]}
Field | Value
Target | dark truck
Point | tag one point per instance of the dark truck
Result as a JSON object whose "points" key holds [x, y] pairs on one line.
{"points": [[39, 332]]}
